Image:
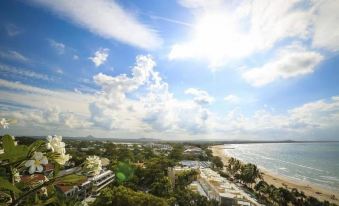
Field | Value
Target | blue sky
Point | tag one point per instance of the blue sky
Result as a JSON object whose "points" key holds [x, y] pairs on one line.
{"points": [[186, 69]]}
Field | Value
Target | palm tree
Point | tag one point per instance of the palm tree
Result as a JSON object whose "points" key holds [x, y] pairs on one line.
{"points": [[262, 187]]}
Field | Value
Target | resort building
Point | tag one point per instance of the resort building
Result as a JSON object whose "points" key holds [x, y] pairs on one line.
{"points": [[218, 188], [211, 185]]}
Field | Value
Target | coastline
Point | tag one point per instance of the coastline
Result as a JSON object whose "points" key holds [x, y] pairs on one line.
{"points": [[281, 181]]}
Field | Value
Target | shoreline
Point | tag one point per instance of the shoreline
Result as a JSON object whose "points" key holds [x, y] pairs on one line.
{"points": [[281, 181]]}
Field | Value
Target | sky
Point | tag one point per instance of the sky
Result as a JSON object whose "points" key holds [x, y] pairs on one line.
{"points": [[174, 70]]}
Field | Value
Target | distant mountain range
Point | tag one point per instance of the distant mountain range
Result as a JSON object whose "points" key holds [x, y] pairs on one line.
{"points": [[143, 140]]}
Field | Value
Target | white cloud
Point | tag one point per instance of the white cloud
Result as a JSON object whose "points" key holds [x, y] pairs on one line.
{"points": [[75, 57], [59, 71], [13, 55], [12, 30], [231, 98], [100, 57], [228, 31], [201, 97], [313, 120], [105, 18], [40, 98], [141, 105], [326, 30], [58, 46], [21, 72], [290, 62]]}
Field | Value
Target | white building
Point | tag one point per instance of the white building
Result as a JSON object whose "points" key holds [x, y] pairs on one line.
{"points": [[220, 189], [87, 188]]}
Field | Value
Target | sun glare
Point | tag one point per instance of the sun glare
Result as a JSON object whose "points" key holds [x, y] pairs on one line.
{"points": [[217, 37]]}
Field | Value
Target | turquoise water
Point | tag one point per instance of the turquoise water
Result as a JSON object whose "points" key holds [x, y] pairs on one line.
{"points": [[316, 163]]}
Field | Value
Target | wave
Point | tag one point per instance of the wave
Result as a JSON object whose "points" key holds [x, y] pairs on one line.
{"points": [[279, 160]]}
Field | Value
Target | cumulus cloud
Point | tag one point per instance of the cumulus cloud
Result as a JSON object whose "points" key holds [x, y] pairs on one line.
{"points": [[303, 122], [105, 18], [290, 62], [13, 55], [140, 104], [58, 46], [39, 111], [200, 96], [100, 56]]}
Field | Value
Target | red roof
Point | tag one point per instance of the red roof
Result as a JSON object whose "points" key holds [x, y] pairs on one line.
{"points": [[33, 178], [49, 167]]}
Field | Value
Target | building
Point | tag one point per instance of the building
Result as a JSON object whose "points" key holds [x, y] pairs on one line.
{"points": [[194, 151], [173, 172], [225, 192], [91, 186], [195, 164], [160, 148], [100, 181]]}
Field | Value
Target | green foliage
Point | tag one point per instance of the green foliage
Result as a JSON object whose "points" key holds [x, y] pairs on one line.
{"points": [[122, 196], [186, 197], [5, 184], [233, 166], [161, 187], [185, 178], [13, 153], [217, 162], [177, 152], [249, 173]]}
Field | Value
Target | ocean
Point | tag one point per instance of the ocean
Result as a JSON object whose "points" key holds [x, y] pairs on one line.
{"points": [[315, 163]]}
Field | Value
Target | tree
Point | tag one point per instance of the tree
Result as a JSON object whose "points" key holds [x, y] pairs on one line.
{"points": [[261, 187], [32, 160], [177, 153], [186, 197], [161, 187], [185, 178], [123, 196], [217, 162], [249, 173], [233, 166]]}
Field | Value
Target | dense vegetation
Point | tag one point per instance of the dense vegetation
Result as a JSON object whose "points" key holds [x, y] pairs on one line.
{"points": [[142, 176], [250, 176]]}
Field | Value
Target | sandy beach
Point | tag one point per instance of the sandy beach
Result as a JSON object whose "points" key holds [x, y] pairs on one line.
{"points": [[279, 181]]}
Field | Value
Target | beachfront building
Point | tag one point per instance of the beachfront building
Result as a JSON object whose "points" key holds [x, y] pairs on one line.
{"points": [[186, 165], [218, 188]]}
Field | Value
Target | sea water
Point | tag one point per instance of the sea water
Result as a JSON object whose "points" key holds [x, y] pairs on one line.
{"points": [[316, 163]]}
